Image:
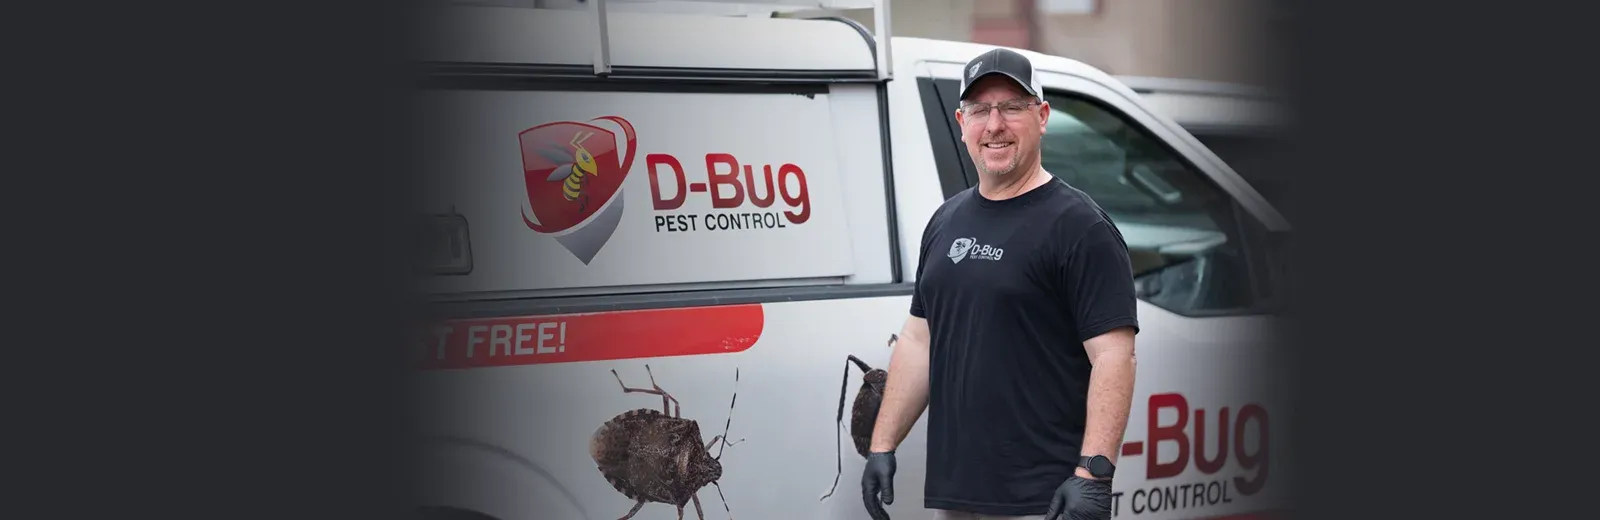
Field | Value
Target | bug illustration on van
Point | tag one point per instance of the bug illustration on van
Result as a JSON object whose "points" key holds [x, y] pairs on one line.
{"points": [[573, 176], [652, 456], [863, 413]]}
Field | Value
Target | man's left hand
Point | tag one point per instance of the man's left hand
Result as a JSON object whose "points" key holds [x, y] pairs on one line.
{"points": [[1081, 498]]}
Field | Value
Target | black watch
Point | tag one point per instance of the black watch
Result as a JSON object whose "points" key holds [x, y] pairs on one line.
{"points": [[1098, 465]]}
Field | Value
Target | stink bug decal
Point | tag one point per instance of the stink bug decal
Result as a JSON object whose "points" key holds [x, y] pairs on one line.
{"points": [[863, 414], [657, 456]]}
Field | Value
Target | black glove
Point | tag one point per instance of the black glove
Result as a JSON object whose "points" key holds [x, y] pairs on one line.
{"points": [[878, 477], [1081, 499]]}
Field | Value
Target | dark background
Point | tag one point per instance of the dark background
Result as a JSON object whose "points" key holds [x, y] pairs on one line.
{"points": [[205, 200]]}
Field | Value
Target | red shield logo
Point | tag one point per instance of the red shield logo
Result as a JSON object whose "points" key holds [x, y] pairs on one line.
{"points": [[573, 173]]}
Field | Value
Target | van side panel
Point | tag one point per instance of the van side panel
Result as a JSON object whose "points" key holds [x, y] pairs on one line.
{"points": [[564, 187], [509, 434]]}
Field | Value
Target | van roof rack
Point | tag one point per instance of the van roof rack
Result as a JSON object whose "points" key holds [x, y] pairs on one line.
{"points": [[599, 37]]}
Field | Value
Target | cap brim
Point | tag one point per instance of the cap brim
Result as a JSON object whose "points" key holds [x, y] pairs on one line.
{"points": [[1014, 79]]}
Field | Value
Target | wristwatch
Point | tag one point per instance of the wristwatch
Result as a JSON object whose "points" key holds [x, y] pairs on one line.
{"points": [[1098, 465]]}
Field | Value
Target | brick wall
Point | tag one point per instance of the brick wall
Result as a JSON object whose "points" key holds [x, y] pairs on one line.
{"points": [[1218, 40]]}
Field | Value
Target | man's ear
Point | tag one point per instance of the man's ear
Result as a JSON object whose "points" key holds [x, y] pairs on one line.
{"points": [[961, 123], [1044, 115]]}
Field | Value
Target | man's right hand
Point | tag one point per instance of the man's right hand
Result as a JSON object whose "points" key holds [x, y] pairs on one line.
{"points": [[878, 478]]}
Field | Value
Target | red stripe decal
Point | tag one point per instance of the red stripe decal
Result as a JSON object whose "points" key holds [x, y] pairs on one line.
{"points": [[569, 338]]}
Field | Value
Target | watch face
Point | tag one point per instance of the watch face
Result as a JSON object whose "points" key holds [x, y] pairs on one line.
{"points": [[1100, 466]]}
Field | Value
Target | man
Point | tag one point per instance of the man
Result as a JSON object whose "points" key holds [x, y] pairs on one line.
{"points": [[1023, 286]]}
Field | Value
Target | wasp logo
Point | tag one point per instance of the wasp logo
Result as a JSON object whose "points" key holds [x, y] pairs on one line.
{"points": [[958, 249], [573, 173], [576, 164]]}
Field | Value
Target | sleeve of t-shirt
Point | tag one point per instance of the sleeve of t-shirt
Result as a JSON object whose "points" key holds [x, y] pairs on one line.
{"points": [[922, 258], [1097, 277]]}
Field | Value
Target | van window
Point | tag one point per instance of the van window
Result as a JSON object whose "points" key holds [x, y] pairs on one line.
{"points": [[1182, 230]]}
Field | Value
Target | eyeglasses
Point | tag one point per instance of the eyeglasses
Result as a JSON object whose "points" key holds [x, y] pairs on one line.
{"points": [[1011, 110]]}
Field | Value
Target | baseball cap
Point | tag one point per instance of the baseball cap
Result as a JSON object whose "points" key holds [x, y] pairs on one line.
{"points": [[1002, 61]]}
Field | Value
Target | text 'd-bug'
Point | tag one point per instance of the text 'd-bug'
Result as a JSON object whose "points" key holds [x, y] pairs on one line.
{"points": [[657, 456]]}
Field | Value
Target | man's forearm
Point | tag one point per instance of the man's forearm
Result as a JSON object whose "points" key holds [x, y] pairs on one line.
{"points": [[1110, 397], [906, 394]]}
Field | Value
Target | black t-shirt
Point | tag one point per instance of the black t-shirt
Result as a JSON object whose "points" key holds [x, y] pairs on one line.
{"points": [[1011, 289]]}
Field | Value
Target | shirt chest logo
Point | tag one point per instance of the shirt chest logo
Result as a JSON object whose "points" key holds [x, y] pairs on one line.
{"points": [[968, 247]]}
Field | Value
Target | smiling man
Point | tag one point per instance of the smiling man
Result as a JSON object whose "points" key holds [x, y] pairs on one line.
{"points": [[1020, 338]]}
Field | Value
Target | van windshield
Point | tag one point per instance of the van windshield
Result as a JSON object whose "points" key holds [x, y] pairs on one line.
{"points": [[1129, 174], [1182, 230], [1180, 227]]}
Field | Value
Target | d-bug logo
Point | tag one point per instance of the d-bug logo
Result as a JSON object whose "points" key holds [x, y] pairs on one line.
{"points": [[574, 174]]}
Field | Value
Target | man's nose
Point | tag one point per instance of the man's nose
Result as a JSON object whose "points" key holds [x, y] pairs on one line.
{"points": [[994, 123]]}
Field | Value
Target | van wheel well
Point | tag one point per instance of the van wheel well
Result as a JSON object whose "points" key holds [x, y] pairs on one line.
{"points": [[450, 513]]}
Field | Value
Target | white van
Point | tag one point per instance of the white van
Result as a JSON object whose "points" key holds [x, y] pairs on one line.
{"points": [[727, 209]]}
